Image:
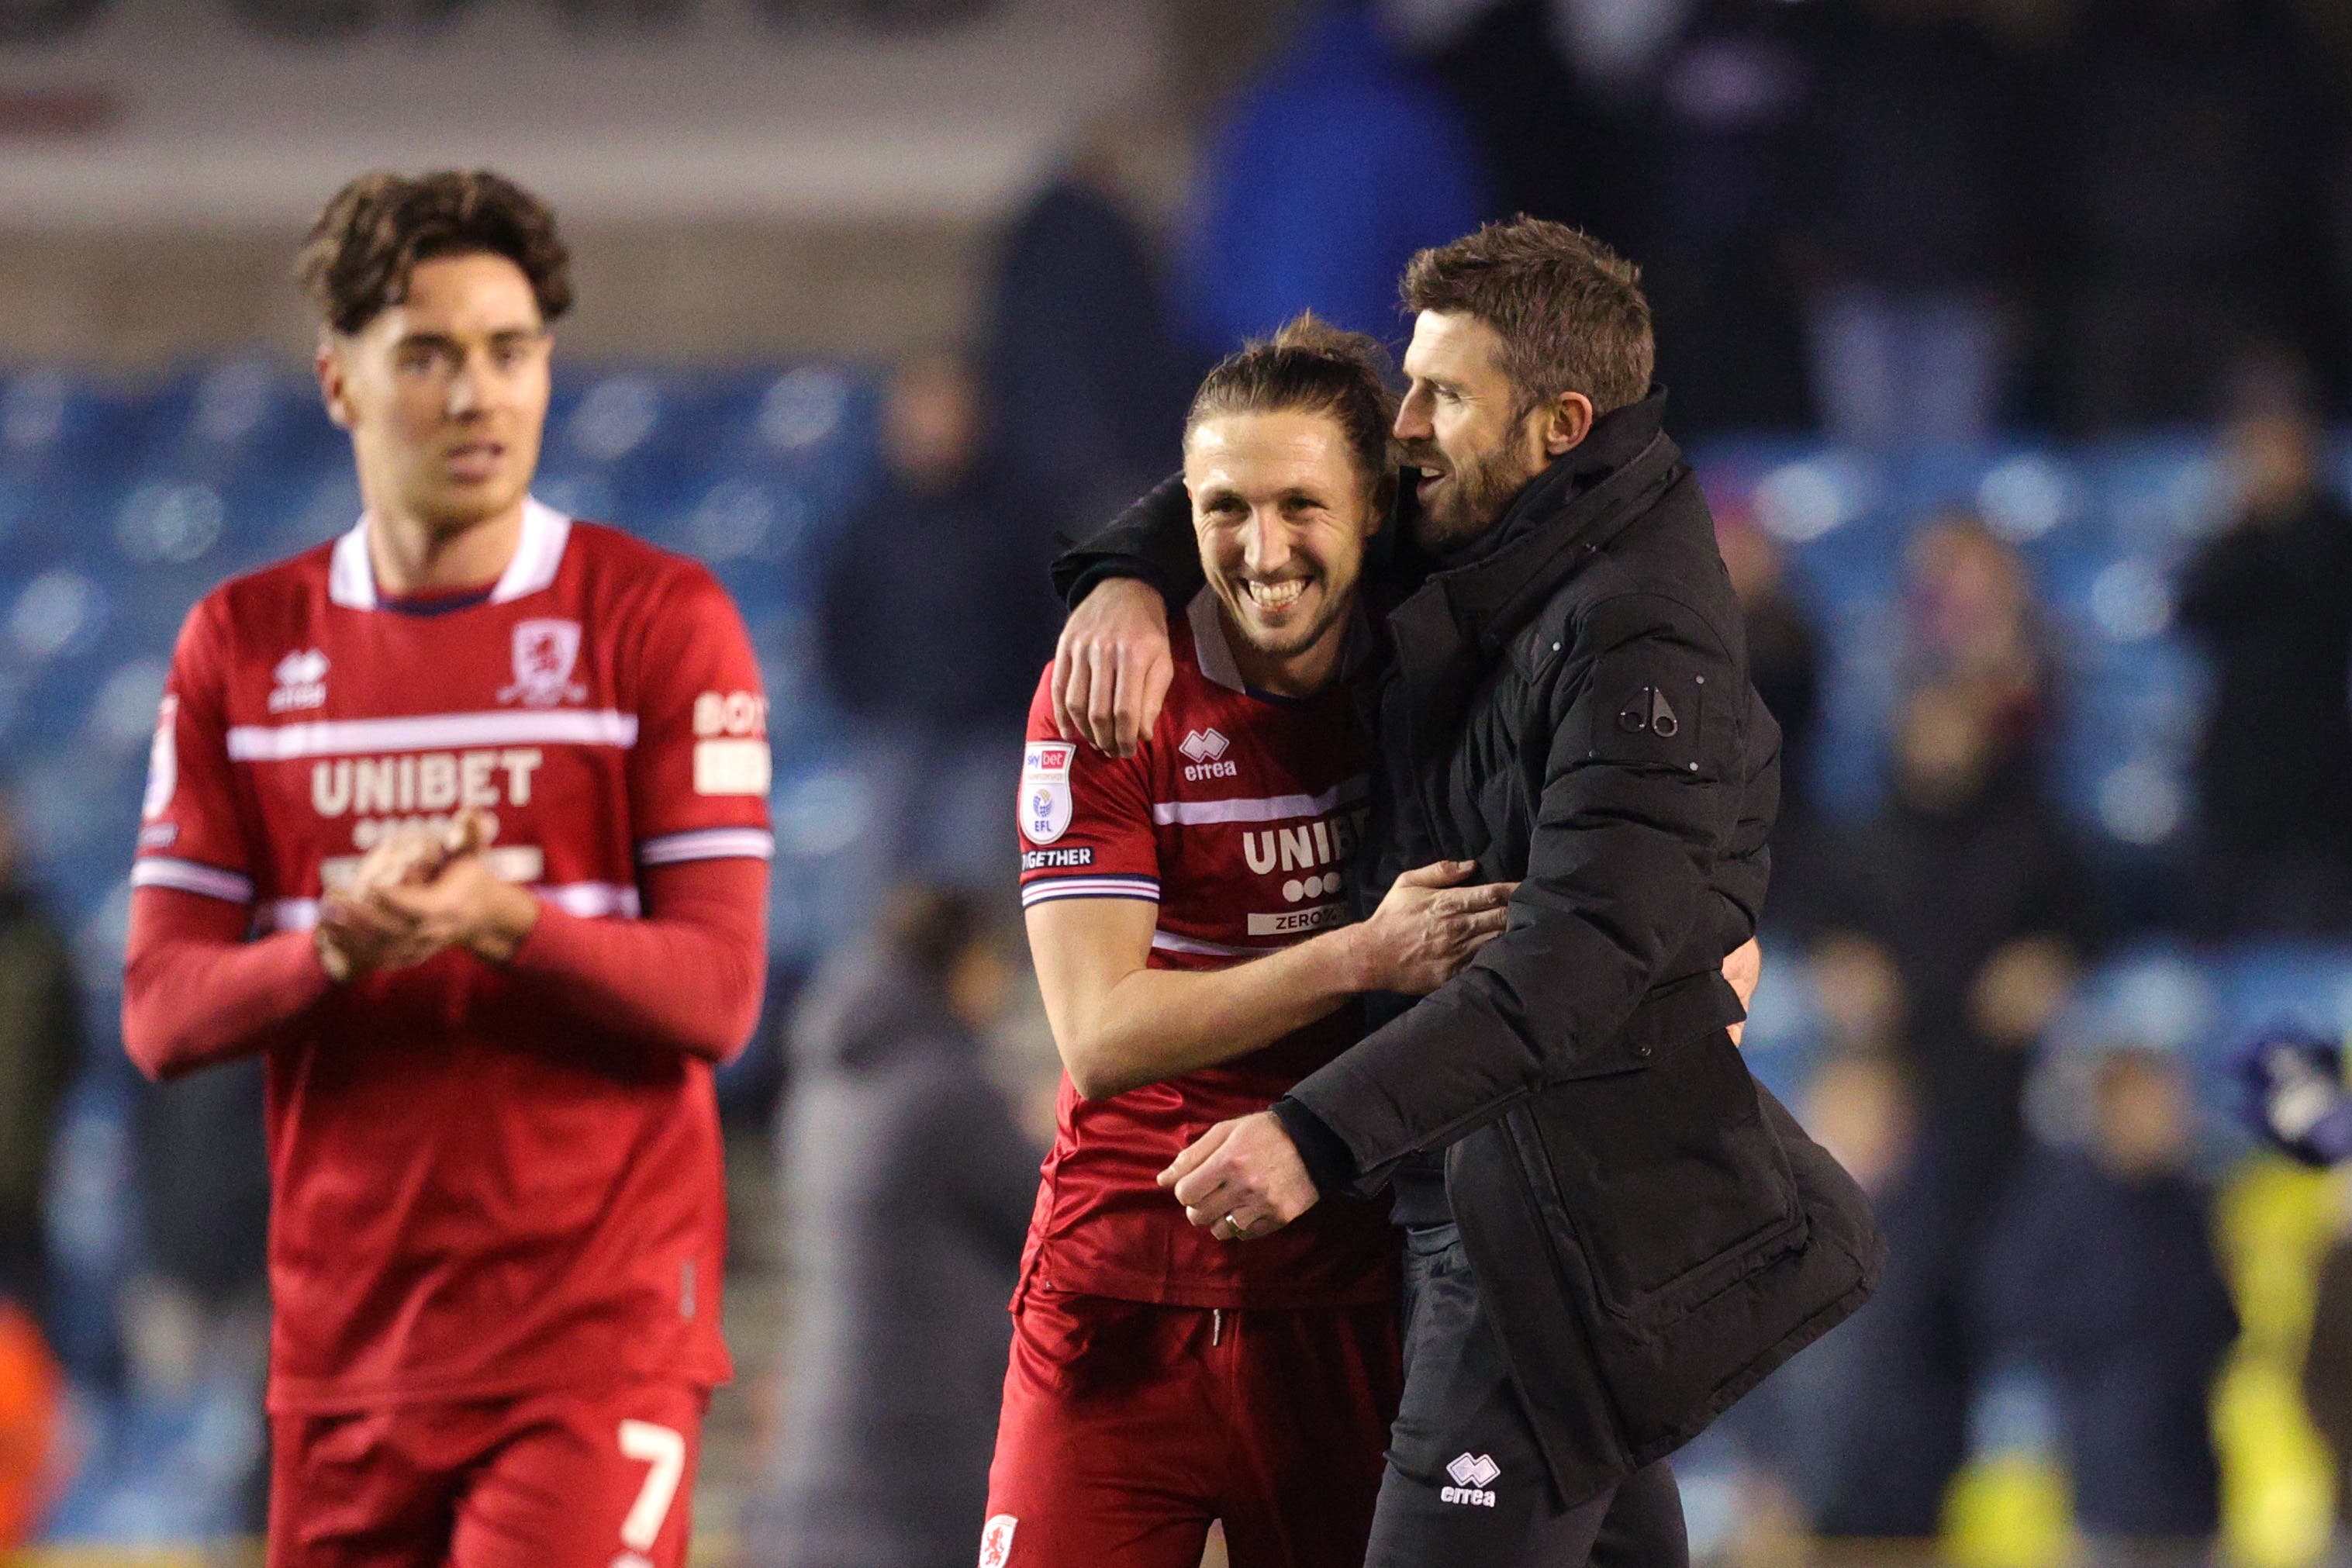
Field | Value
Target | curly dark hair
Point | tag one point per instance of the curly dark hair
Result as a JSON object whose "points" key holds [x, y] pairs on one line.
{"points": [[359, 254], [1310, 367]]}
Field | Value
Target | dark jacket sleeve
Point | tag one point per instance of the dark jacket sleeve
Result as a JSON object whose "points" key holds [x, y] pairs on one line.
{"points": [[1152, 540], [1744, 872], [1620, 873]]}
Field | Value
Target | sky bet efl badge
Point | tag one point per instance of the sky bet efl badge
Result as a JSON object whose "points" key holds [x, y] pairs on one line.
{"points": [[1045, 790]]}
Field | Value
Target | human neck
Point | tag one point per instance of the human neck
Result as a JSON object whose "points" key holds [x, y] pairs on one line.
{"points": [[1301, 673], [411, 556]]}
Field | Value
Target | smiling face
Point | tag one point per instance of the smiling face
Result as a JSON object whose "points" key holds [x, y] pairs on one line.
{"points": [[1469, 429], [1283, 511], [444, 392]]}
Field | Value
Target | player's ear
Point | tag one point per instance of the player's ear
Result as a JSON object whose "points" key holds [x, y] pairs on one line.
{"points": [[333, 390], [1567, 419]]}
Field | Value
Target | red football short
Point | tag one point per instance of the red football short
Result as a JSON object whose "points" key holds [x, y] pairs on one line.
{"points": [[1128, 1427], [551, 1481]]}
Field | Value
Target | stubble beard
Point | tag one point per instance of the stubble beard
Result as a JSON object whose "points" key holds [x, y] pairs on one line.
{"points": [[1480, 492], [1287, 643]]}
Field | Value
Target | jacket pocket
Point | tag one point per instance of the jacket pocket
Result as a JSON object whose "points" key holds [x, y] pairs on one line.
{"points": [[1667, 1179]]}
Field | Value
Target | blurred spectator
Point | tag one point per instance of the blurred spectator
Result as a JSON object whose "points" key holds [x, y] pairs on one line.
{"points": [[1865, 1430], [1730, 112], [1330, 170], [937, 618], [1967, 883], [2101, 1270], [2327, 1368], [1914, 228], [1955, 918], [1561, 127], [2186, 202], [1971, 624], [31, 1412], [2270, 599], [1086, 388], [40, 1045], [909, 1182], [1784, 658], [195, 1319]]}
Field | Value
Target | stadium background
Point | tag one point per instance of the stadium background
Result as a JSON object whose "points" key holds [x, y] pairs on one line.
{"points": [[1980, 316]]}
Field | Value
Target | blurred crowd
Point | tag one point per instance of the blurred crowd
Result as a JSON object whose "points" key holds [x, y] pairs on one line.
{"points": [[1893, 224]]}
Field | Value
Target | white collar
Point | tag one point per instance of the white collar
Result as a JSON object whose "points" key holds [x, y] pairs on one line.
{"points": [[1209, 644], [351, 573]]}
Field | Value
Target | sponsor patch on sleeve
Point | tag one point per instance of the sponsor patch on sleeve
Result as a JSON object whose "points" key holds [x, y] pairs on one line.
{"points": [[1045, 805], [730, 767]]}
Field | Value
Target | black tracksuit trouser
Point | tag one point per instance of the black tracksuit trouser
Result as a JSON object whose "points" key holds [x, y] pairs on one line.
{"points": [[1466, 1482]]}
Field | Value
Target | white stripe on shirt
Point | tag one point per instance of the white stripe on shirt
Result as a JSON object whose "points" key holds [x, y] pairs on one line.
{"points": [[1046, 889], [191, 877], [1265, 808], [423, 731], [707, 843]]}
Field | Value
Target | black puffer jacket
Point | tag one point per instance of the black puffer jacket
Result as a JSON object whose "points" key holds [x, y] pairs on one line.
{"points": [[1651, 1231]]}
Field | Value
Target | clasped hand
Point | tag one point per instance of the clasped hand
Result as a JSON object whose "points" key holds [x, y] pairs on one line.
{"points": [[420, 890], [1242, 1179]]}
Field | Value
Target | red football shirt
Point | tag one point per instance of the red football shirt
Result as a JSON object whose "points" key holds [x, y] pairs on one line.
{"points": [[476, 1188], [1235, 817]]}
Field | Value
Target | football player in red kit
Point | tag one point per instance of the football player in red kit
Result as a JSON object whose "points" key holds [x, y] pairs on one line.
{"points": [[1185, 912], [459, 822]]}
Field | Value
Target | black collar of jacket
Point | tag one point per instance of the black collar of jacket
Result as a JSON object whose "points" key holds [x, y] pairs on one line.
{"points": [[1565, 514], [1447, 635]]}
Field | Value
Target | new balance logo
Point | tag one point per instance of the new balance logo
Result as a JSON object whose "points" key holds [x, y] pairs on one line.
{"points": [[1472, 1474], [1206, 748]]}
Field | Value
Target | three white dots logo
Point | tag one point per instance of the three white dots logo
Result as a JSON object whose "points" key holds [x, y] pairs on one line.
{"points": [[1311, 888]]}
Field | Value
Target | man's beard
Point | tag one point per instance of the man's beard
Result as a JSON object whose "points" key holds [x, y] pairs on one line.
{"points": [[1476, 492], [1292, 643]]}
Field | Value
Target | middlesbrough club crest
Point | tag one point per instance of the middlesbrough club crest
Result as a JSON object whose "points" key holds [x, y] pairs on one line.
{"points": [[544, 653]]}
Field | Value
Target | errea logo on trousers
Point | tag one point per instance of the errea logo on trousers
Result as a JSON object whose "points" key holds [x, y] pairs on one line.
{"points": [[1472, 1473]]}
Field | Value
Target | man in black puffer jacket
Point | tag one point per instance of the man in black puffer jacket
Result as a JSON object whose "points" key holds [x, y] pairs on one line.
{"points": [[1612, 1231]]}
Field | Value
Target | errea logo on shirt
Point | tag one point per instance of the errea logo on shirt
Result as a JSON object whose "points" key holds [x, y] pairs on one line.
{"points": [[1473, 1474], [1206, 749], [301, 680]]}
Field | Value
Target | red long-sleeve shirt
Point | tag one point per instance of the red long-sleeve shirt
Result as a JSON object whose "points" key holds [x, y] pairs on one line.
{"points": [[485, 1179]]}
